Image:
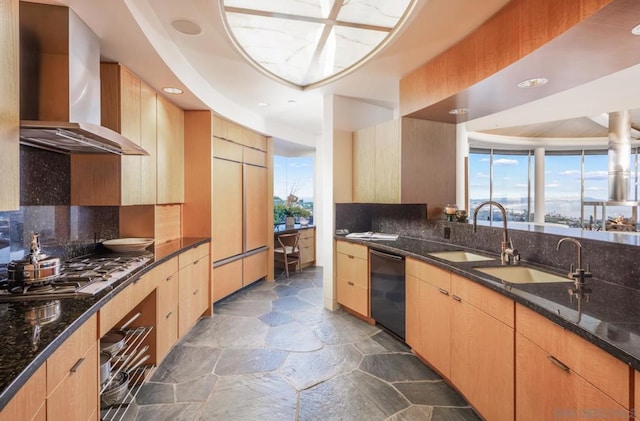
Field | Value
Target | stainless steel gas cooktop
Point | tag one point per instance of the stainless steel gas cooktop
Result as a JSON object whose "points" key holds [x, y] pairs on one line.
{"points": [[81, 276]]}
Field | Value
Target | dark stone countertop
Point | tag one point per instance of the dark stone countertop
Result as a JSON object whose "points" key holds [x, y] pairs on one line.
{"points": [[283, 229], [610, 319], [20, 359]]}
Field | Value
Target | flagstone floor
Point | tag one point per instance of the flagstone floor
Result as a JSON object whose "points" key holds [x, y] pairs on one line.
{"points": [[271, 352]]}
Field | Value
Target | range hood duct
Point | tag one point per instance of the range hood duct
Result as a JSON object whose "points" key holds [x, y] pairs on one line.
{"points": [[60, 85], [619, 153]]}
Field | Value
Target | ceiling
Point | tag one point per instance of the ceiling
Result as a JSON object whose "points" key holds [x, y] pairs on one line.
{"points": [[139, 34]]}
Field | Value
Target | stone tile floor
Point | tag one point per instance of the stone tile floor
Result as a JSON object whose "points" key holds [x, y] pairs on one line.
{"points": [[271, 352]]}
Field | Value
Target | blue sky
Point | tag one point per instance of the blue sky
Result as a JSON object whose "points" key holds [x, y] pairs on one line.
{"points": [[293, 174]]}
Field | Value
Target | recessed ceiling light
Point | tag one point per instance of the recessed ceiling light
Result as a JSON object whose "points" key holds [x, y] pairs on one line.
{"points": [[292, 101], [456, 111], [263, 104], [187, 27], [533, 82], [171, 90], [636, 30]]}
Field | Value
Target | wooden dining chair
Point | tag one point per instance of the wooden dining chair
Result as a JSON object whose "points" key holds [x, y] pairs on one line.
{"points": [[288, 251]]}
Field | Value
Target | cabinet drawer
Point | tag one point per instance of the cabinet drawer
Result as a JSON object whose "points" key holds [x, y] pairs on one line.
{"points": [[70, 352], [307, 234], [352, 271], [305, 242], [598, 367], [351, 249], [192, 255], [353, 296], [167, 294], [166, 269], [492, 303], [254, 267], [227, 150], [227, 279], [435, 276], [255, 157]]}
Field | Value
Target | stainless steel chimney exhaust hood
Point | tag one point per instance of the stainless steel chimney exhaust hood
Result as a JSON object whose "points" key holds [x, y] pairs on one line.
{"points": [[60, 85]]}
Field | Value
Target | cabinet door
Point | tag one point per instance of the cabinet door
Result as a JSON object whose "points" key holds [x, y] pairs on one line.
{"points": [[307, 246], [226, 209], [482, 360], [167, 308], [170, 144], [352, 283], [29, 401], [548, 390], [255, 207], [193, 298], [254, 267], [435, 326], [148, 135], [364, 157], [131, 171], [10, 105], [387, 162], [227, 279]]}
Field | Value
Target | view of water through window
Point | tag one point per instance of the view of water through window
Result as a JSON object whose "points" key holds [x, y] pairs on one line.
{"points": [[293, 188]]}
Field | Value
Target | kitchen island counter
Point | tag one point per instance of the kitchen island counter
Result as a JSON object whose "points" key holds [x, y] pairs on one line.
{"points": [[22, 353], [609, 319]]}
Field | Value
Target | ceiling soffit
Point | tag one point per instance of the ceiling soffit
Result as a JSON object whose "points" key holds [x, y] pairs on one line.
{"points": [[594, 47]]}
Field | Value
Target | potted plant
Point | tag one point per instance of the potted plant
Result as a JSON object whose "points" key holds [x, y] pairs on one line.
{"points": [[289, 211]]}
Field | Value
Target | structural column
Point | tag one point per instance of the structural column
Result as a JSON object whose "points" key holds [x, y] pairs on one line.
{"points": [[539, 210], [462, 155]]}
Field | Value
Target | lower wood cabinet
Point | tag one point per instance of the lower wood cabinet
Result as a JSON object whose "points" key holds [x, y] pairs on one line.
{"points": [[352, 276], [307, 245], [167, 306], [227, 279], [254, 267], [637, 395], [193, 294], [562, 376], [465, 331], [29, 402], [72, 376]]}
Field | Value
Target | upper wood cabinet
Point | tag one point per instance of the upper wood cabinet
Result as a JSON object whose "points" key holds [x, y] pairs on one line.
{"points": [[9, 107], [228, 130], [255, 207], [128, 106], [405, 161], [170, 137]]}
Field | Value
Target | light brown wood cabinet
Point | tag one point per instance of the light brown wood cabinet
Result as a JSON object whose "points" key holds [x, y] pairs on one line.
{"points": [[562, 376], [29, 402], [637, 395], [128, 106], [428, 313], [405, 161], [167, 308], [352, 276], [482, 348], [72, 376], [307, 246], [193, 294], [231, 201], [170, 152], [10, 106], [465, 331]]}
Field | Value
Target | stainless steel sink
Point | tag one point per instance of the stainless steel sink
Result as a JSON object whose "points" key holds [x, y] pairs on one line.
{"points": [[522, 275], [458, 256]]}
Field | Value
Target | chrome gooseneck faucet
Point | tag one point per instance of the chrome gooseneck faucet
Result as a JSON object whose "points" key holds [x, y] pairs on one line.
{"points": [[508, 255], [578, 275]]}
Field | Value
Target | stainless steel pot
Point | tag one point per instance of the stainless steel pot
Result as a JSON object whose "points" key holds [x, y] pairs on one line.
{"points": [[105, 366], [117, 390], [35, 267], [114, 340]]}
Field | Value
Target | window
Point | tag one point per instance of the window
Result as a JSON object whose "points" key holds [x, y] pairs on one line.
{"points": [[292, 186], [505, 177]]}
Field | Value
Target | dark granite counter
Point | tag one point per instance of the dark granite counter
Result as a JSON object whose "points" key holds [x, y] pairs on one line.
{"points": [[610, 319], [283, 229], [20, 357]]}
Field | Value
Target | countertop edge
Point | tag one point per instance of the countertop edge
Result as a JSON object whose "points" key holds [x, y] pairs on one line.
{"points": [[459, 269], [10, 391]]}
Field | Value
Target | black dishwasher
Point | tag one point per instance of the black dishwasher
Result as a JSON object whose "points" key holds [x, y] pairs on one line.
{"points": [[388, 291]]}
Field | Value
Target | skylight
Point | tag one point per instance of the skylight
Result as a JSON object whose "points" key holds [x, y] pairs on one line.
{"points": [[308, 42]]}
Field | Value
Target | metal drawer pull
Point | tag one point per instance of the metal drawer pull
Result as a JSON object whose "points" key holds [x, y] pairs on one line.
{"points": [[168, 315], [443, 291], [350, 256], [77, 365], [455, 297], [170, 277], [196, 291], [350, 283], [558, 363], [195, 262]]}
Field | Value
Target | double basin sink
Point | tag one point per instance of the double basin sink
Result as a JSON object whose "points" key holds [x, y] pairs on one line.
{"points": [[511, 274]]}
